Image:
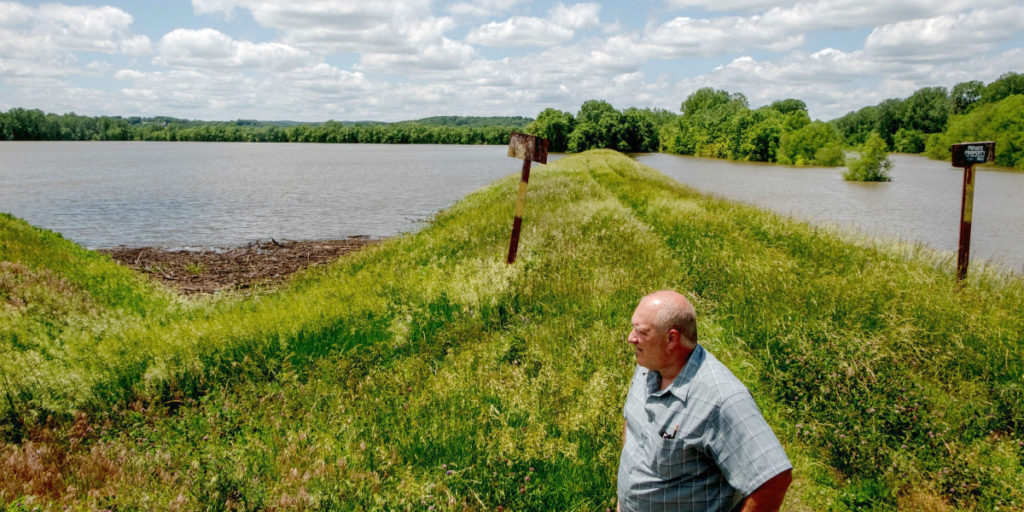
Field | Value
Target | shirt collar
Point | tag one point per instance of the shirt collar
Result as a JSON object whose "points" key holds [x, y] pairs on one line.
{"points": [[680, 387]]}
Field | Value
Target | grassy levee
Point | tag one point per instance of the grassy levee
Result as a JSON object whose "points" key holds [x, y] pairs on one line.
{"points": [[424, 372], [52, 290]]}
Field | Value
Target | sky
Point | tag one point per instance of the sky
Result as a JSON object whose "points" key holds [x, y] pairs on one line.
{"points": [[316, 60]]}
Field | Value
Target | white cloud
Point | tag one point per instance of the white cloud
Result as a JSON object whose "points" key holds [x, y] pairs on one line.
{"points": [[705, 37], [137, 46], [727, 5], [559, 27], [342, 25], [401, 36], [482, 8], [301, 93], [782, 28], [43, 41], [82, 28], [448, 55], [208, 48], [13, 14], [520, 31], [832, 14], [577, 16], [945, 37]]}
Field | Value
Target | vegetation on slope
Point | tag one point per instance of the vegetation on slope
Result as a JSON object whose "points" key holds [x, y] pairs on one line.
{"points": [[932, 119], [1002, 122], [424, 372]]}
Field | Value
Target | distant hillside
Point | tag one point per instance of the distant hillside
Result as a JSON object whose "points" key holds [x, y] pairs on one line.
{"points": [[474, 121]]}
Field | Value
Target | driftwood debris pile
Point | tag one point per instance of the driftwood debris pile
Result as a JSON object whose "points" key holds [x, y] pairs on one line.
{"points": [[209, 271]]}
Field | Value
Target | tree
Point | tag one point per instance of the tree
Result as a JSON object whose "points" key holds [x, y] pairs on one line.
{"points": [[856, 126], [759, 141], [965, 95], [598, 125], [1000, 121], [638, 132], [554, 125], [926, 110], [909, 141], [890, 118], [712, 119], [788, 105], [704, 99], [1007, 84], [817, 143], [874, 163]]}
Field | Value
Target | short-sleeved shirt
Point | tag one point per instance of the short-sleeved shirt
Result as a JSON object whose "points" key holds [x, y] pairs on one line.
{"points": [[699, 444]]}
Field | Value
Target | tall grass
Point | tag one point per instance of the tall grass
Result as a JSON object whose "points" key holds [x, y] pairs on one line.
{"points": [[424, 372]]}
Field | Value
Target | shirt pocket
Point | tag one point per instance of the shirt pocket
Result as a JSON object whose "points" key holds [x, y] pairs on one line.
{"points": [[677, 458]]}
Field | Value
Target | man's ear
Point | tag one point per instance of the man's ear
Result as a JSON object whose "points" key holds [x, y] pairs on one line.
{"points": [[674, 335]]}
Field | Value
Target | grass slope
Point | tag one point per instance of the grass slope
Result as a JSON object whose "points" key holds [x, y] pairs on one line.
{"points": [[424, 372]]}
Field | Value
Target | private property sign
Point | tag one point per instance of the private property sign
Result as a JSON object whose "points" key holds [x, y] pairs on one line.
{"points": [[969, 153], [965, 155]]}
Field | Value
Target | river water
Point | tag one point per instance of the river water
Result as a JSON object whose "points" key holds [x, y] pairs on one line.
{"points": [[921, 203], [183, 194]]}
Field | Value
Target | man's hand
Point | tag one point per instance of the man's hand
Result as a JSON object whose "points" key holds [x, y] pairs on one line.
{"points": [[768, 497]]}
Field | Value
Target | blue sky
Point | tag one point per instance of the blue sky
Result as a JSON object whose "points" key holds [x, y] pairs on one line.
{"points": [[406, 59]]}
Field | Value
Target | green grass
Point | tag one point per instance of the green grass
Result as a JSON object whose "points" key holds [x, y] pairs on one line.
{"points": [[424, 372]]}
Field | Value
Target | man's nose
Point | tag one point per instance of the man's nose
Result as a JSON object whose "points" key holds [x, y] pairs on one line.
{"points": [[631, 337]]}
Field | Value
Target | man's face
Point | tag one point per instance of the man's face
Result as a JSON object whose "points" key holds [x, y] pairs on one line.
{"points": [[650, 343]]}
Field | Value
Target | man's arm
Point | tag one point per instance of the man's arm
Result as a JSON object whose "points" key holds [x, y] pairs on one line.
{"points": [[624, 427], [768, 497]]}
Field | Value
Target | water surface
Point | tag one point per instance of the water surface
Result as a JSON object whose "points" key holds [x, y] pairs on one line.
{"points": [[187, 194], [190, 194], [921, 203]]}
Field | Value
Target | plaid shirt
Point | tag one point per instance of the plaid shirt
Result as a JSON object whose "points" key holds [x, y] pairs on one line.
{"points": [[700, 444]]}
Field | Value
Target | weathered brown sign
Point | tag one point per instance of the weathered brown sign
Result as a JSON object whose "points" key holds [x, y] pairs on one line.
{"points": [[528, 147], [967, 154]]}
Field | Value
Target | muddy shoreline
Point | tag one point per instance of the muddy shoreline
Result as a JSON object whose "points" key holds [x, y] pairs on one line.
{"points": [[206, 272]]}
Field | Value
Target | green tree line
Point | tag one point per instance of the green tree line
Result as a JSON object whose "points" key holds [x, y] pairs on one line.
{"points": [[598, 125], [25, 124], [719, 124], [933, 118], [713, 123]]}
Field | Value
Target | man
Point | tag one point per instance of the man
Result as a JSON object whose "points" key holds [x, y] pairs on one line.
{"points": [[694, 438]]}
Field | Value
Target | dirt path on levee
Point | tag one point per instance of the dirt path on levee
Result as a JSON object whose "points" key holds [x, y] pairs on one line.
{"points": [[209, 271]]}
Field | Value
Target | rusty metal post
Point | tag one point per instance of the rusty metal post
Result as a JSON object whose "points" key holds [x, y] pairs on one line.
{"points": [[530, 149], [517, 221], [965, 155], [966, 210]]}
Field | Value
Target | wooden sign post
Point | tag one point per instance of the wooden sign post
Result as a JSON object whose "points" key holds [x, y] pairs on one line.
{"points": [[966, 155], [530, 149]]}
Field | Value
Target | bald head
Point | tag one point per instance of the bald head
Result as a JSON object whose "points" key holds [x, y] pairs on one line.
{"points": [[673, 311]]}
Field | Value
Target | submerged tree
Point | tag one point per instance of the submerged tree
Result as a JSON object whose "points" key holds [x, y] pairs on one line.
{"points": [[874, 163]]}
